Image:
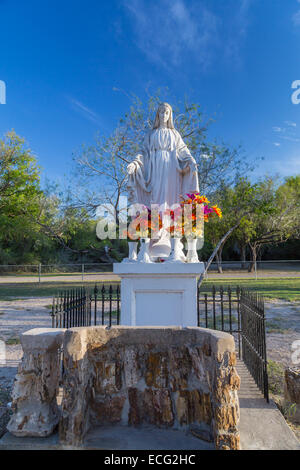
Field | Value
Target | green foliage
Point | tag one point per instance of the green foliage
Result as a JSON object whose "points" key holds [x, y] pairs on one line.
{"points": [[19, 187], [271, 214], [276, 377], [51, 227], [13, 340]]}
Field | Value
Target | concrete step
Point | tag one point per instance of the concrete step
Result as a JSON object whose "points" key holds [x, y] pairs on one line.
{"points": [[113, 438], [262, 426]]}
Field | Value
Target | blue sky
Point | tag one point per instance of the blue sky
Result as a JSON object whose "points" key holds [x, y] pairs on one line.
{"points": [[62, 60]]}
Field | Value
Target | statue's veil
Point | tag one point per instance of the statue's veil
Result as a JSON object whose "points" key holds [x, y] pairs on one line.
{"points": [[170, 123]]}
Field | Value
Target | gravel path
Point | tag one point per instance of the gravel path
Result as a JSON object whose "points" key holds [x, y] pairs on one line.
{"points": [[283, 329], [16, 317]]}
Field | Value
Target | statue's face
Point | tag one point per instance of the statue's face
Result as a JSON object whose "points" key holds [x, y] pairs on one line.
{"points": [[164, 114]]}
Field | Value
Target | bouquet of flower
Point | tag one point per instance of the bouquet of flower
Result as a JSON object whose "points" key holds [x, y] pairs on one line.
{"points": [[196, 198], [195, 209], [187, 219], [143, 226]]}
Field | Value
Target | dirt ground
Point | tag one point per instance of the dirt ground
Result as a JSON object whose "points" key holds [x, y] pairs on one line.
{"points": [[283, 329]]}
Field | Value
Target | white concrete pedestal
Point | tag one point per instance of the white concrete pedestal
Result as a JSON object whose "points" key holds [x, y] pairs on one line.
{"points": [[159, 294]]}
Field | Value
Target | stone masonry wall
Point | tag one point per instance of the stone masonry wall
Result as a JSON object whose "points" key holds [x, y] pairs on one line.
{"points": [[168, 377], [35, 409], [292, 391]]}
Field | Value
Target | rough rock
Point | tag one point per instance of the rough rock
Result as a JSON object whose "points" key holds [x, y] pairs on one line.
{"points": [[292, 385], [165, 377], [35, 410], [168, 377], [292, 392]]}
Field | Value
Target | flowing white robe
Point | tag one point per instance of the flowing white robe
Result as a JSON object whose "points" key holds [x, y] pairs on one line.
{"points": [[164, 172]]}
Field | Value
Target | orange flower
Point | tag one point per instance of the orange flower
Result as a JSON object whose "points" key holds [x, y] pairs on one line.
{"points": [[217, 211]]}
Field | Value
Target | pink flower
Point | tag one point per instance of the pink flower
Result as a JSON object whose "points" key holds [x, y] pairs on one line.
{"points": [[207, 210], [192, 196]]}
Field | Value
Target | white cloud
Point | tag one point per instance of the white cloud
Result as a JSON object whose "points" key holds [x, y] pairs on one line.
{"points": [[166, 30], [288, 133], [86, 112], [169, 30], [296, 17], [287, 166], [277, 144], [238, 27], [290, 123], [290, 138]]}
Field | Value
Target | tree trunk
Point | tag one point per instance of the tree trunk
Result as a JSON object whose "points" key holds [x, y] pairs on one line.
{"points": [[219, 263], [243, 256], [117, 241], [254, 257], [221, 242], [219, 258]]}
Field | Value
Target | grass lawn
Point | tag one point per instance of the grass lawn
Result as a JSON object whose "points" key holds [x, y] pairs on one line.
{"points": [[270, 288], [45, 289], [50, 274]]}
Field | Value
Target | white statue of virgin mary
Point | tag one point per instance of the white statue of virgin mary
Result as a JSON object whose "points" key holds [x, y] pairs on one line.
{"points": [[161, 174]]}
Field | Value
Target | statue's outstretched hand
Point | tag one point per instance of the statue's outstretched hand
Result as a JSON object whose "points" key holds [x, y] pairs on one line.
{"points": [[131, 168]]}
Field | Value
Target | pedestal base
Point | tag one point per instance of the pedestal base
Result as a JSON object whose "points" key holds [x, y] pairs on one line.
{"points": [[159, 294]]}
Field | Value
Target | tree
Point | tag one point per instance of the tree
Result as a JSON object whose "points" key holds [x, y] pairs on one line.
{"points": [[236, 202], [102, 166], [276, 219], [272, 215], [19, 186], [19, 173]]}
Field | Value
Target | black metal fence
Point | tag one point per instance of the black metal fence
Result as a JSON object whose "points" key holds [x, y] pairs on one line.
{"points": [[220, 310], [236, 311], [240, 313], [83, 307], [253, 334], [106, 308], [71, 308]]}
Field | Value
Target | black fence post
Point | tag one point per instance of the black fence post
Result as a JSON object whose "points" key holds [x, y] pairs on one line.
{"points": [[214, 307], [222, 306], [53, 317], [118, 305], [230, 310], [110, 303], [95, 304], [102, 303], [238, 297]]}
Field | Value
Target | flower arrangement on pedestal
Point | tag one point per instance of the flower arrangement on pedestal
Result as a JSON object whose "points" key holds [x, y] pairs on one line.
{"points": [[188, 218], [141, 229], [185, 220], [143, 226]]}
